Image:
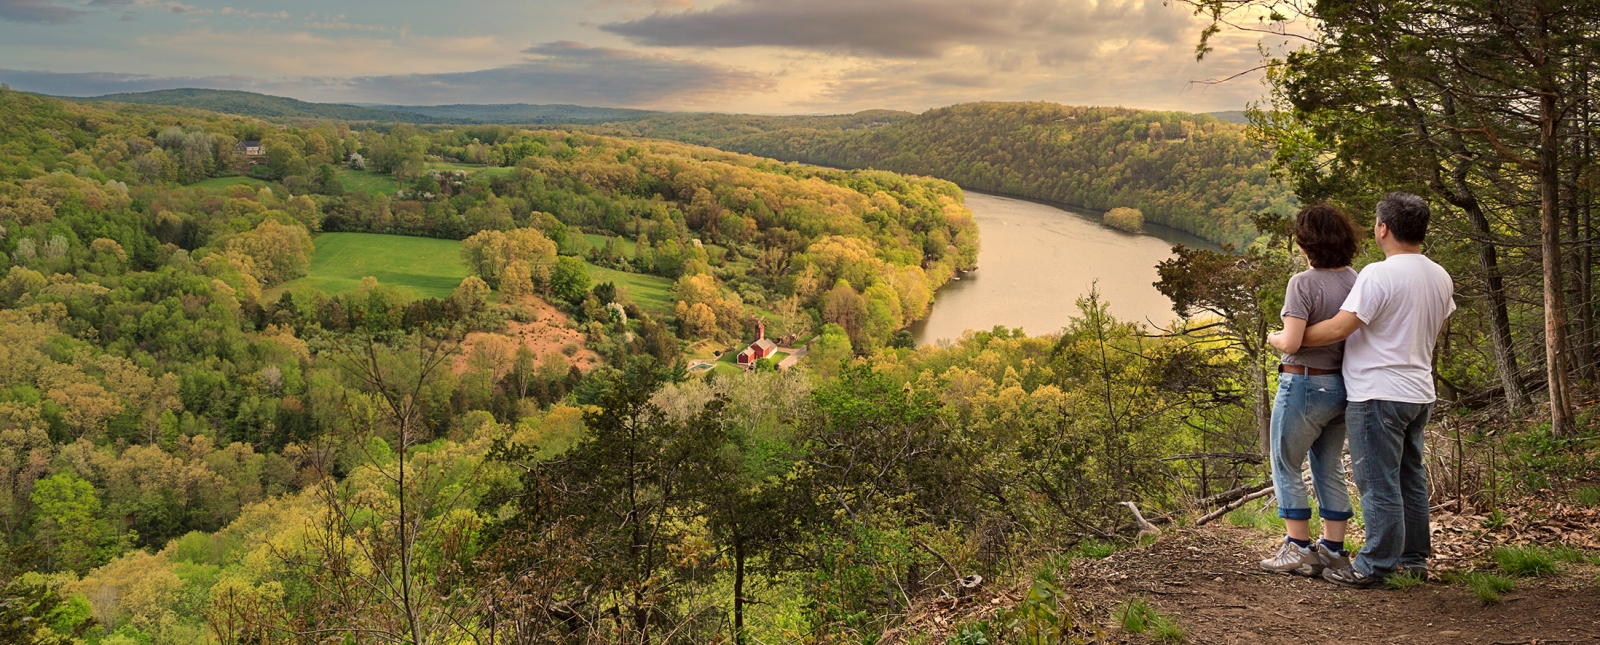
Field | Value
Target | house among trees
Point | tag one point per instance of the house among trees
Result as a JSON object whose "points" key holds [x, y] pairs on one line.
{"points": [[250, 148], [762, 348]]}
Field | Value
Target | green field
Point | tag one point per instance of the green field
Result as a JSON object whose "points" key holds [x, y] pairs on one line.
{"points": [[424, 266], [219, 183], [651, 293], [599, 241], [367, 181]]}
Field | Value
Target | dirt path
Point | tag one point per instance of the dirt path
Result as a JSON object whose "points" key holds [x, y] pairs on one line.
{"points": [[1207, 578]]}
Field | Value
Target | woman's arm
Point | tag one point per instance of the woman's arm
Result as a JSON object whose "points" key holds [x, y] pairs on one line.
{"points": [[1288, 340]]}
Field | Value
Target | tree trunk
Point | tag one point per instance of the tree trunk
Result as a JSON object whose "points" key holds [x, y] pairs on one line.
{"points": [[1505, 353], [738, 592], [1555, 342], [1461, 194]]}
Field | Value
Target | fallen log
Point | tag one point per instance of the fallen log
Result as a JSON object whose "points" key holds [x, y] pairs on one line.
{"points": [[1227, 496], [1233, 505]]}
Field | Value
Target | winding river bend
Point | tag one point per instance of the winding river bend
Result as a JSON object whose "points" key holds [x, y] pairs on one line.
{"points": [[1036, 261]]}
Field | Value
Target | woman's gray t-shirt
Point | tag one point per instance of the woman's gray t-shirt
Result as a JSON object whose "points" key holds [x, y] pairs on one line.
{"points": [[1315, 295]]}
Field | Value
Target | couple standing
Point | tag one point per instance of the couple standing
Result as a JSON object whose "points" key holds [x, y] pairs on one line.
{"points": [[1357, 360]]}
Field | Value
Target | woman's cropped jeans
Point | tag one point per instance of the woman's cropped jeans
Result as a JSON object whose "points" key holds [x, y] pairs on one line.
{"points": [[1308, 417]]}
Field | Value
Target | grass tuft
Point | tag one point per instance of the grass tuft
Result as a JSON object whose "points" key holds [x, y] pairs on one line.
{"points": [[1486, 586], [1524, 561], [1096, 550], [1571, 555], [1403, 581], [1136, 616], [1588, 496]]}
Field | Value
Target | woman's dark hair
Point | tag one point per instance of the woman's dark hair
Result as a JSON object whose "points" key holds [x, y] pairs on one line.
{"points": [[1326, 235]]}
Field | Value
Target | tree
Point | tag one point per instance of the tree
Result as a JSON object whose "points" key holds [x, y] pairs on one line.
{"points": [[570, 280], [383, 551], [70, 525], [1236, 295], [629, 491], [277, 252]]}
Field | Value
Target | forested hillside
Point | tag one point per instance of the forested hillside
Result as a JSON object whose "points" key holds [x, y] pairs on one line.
{"points": [[1188, 171]]}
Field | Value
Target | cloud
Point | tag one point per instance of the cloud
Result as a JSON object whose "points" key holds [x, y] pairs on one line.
{"points": [[560, 72], [909, 29], [571, 72], [37, 11]]}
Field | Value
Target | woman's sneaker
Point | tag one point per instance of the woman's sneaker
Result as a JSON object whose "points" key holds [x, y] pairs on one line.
{"points": [[1294, 559]]}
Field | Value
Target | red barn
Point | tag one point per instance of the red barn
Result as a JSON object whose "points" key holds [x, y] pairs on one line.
{"points": [[758, 350]]}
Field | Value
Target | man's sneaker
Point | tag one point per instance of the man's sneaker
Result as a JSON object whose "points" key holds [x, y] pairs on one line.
{"points": [[1347, 576], [1294, 559], [1332, 559]]}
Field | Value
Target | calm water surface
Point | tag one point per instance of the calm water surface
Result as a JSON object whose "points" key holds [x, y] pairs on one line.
{"points": [[1036, 261]]}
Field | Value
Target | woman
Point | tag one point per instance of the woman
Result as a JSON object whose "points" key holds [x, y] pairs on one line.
{"points": [[1308, 413]]}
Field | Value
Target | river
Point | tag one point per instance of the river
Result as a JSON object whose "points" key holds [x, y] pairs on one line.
{"points": [[1037, 259]]}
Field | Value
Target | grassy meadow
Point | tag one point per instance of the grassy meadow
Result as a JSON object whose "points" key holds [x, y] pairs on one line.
{"points": [[425, 266], [219, 183], [430, 267], [367, 181], [651, 293]]}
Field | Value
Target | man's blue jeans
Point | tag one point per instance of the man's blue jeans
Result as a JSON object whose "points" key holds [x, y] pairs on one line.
{"points": [[1386, 446], [1308, 418]]}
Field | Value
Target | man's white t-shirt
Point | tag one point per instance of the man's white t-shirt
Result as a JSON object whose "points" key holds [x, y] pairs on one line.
{"points": [[1403, 301]]}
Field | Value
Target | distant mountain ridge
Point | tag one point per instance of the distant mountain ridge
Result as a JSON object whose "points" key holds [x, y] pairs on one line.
{"points": [[267, 106], [260, 105]]}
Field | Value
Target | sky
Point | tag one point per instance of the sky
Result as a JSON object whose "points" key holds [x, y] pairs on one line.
{"points": [[747, 56]]}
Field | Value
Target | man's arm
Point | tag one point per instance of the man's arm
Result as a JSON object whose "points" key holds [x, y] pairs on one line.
{"points": [[1332, 330], [1288, 340]]}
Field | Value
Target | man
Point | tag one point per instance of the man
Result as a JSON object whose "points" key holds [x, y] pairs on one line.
{"points": [[1390, 323]]}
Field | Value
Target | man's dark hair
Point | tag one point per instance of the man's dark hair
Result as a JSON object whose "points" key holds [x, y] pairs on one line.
{"points": [[1326, 235], [1406, 215]]}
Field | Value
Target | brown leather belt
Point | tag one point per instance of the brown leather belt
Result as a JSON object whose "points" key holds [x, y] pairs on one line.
{"points": [[1303, 370]]}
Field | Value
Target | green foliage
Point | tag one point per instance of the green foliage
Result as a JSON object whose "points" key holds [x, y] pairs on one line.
{"points": [[1587, 496], [33, 612], [1524, 561], [1495, 520], [1039, 618]]}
